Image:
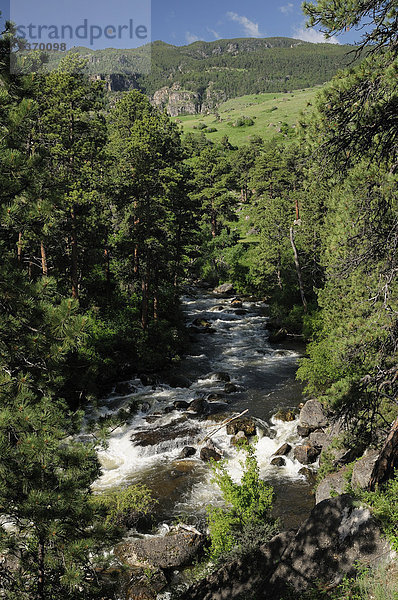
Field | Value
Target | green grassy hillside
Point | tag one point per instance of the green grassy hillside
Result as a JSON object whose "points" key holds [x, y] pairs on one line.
{"points": [[271, 114]]}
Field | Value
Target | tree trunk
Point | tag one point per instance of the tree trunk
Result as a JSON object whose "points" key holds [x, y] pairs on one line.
{"points": [[298, 269], [145, 300], [40, 581], [19, 247], [44, 267], [74, 258], [387, 462]]}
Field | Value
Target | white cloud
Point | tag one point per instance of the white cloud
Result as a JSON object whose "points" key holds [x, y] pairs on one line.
{"points": [[311, 35], [251, 29], [191, 37], [213, 32], [287, 8]]}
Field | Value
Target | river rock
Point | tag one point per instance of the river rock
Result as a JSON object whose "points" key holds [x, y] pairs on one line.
{"points": [[236, 303], [279, 461], [313, 415], [306, 454], [220, 376], [283, 450], [181, 404], [245, 424], [363, 468], [239, 439], [214, 397], [207, 454], [183, 467], [285, 414], [122, 388], [144, 583], [277, 336], [187, 451], [331, 542], [240, 312], [148, 379], [198, 406], [200, 322], [303, 431], [309, 474], [224, 288], [230, 388], [177, 381], [165, 552], [332, 485], [320, 439], [173, 431], [217, 308]]}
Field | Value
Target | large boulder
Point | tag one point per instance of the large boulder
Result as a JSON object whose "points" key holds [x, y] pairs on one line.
{"points": [[143, 583], [285, 414], [332, 485], [283, 450], [220, 376], [313, 415], [306, 454], [320, 439], [363, 468], [337, 535], [245, 424], [224, 288], [387, 461], [198, 406], [178, 430], [207, 454], [177, 549]]}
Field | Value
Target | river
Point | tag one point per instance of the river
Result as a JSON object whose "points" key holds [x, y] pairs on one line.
{"points": [[264, 376]]}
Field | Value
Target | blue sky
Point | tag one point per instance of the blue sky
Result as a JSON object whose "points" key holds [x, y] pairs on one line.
{"points": [[174, 21]]}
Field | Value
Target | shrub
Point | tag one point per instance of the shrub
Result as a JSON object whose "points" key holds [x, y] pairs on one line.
{"points": [[248, 506]]}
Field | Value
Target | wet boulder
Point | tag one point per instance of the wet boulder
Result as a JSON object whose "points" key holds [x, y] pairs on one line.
{"points": [[230, 388], [214, 408], [236, 303], [283, 450], [198, 406], [214, 397], [180, 405], [245, 424], [200, 322], [240, 312], [177, 381], [309, 474], [220, 376], [306, 454], [217, 308], [122, 388], [187, 451], [313, 415], [224, 288], [171, 551], [303, 431], [208, 453], [178, 430], [278, 461]]}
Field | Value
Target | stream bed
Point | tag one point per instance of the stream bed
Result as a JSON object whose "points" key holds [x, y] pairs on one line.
{"points": [[147, 449]]}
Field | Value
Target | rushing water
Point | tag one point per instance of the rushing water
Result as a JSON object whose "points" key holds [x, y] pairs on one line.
{"points": [[265, 382]]}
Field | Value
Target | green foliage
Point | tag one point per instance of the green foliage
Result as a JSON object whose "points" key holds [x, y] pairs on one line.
{"points": [[248, 506], [384, 504], [125, 506]]}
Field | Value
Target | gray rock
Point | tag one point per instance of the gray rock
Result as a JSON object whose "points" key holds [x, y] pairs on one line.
{"points": [[283, 450], [313, 415], [123, 388], [200, 322], [306, 454], [187, 451], [181, 404], [363, 468], [198, 406], [220, 376], [303, 431], [279, 461], [176, 430], [217, 308], [224, 288], [207, 454], [337, 535], [320, 439], [245, 424], [332, 485], [230, 388], [309, 474], [166, 552], [178, 381]]}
